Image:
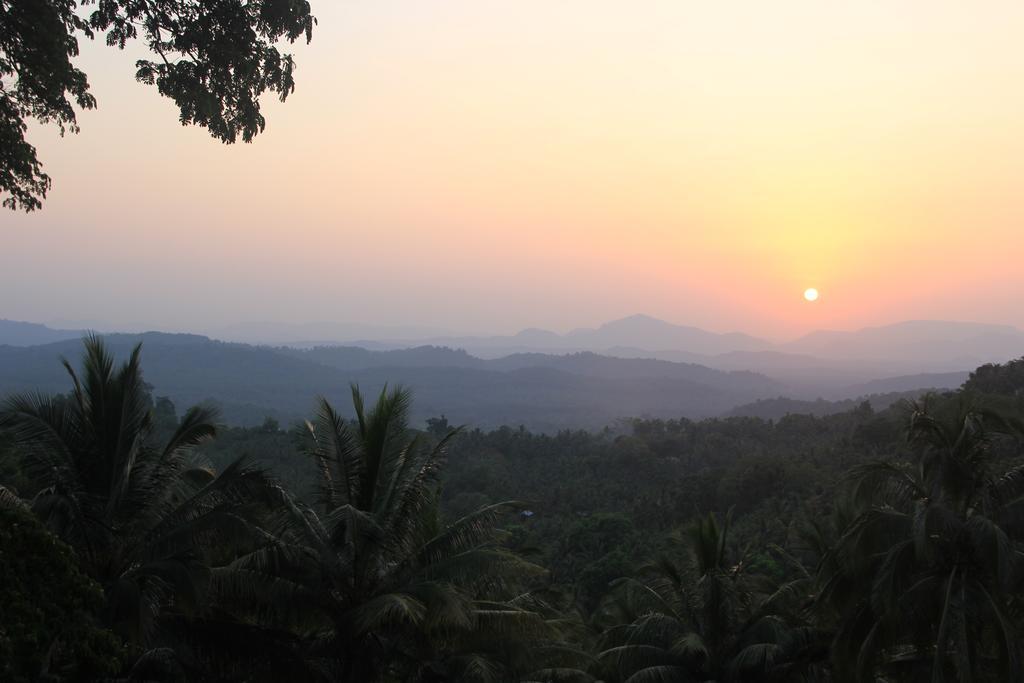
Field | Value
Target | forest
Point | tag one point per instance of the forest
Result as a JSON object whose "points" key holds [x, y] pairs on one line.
{"points": [[141, 541]]}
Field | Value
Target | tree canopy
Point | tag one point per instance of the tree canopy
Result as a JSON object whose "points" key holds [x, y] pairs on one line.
{"points": [[214, 58], [48, 626], [862, 546]]}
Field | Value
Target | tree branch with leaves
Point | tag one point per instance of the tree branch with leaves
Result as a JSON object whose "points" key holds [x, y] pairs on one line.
{"points": [[215, 59]]}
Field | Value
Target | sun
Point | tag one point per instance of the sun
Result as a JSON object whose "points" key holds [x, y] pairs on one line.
{"points": [[811, 294]]}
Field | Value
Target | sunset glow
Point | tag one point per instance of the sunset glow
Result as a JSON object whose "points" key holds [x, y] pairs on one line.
{"points": [[493, 166]]}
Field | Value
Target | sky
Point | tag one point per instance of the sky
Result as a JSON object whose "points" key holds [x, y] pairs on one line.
{"points": [[481, 166]]}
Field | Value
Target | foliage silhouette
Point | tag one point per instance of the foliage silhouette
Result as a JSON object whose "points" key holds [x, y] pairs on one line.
{"points": [[214, 59]]}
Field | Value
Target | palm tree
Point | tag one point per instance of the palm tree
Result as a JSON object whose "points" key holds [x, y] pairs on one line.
{"points": [[705, 621], [925, 582], [370, 577], [143, 518]]}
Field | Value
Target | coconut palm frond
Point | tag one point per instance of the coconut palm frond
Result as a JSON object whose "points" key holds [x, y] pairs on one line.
{"points": [[9, 499], [197, 426]]}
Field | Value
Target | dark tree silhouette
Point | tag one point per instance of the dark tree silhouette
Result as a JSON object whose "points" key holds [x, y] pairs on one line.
{"points": [[213, 58], [926, 578], [372, 578], [47, 629], [144, 519]]}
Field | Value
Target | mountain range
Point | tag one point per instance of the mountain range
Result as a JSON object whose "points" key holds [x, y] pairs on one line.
{"points": [[905, 347], [545, 393], [870, 353], [646, 367]]}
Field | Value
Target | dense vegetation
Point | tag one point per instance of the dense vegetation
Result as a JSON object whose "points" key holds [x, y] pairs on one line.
{"points": [[858, 546]]}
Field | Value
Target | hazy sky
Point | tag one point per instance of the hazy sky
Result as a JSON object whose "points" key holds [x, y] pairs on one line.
{"points": [[487, 166]]}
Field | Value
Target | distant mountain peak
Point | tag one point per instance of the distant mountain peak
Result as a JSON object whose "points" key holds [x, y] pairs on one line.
{"points": [[639, 318], [642, 322], [535, 333]]}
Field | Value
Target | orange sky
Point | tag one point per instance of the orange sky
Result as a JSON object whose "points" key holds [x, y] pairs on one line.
{"points": [[486, 166]]}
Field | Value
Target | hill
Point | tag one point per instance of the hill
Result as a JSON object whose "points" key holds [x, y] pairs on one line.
{"points": [[17, 333], [636, 331], [545, 393]]}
